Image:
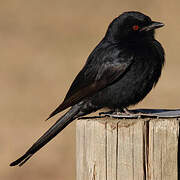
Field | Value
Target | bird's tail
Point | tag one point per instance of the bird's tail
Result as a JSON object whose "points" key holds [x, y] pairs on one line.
{"points": [[60, 124]]}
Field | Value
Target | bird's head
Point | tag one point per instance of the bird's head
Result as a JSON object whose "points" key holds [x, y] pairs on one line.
{"points": [[132, 26]]}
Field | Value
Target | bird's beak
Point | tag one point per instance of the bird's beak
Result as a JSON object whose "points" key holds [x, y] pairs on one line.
{"points": [[152, 26]]}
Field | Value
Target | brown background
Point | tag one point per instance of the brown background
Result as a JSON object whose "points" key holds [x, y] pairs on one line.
{"points": [[43, 45]]}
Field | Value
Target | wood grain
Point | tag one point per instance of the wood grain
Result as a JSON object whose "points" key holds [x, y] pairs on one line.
{"points": [[136, 149], [163, 149]]}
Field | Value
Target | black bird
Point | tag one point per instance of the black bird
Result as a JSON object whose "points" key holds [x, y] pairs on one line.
{"points": [[119, 72]]}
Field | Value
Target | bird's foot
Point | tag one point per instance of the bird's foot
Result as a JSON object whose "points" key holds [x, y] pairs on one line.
{"points": [[121, 113]]}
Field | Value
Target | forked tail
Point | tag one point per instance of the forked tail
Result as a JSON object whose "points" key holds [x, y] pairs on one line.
{"points": [[60, 124]]}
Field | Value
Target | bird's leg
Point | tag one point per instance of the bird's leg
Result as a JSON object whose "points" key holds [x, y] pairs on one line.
{"points": [[118, 111], [127, 111]]}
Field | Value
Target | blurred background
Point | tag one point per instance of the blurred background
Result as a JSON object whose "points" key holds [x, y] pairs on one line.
{"points": [[43, 45]]}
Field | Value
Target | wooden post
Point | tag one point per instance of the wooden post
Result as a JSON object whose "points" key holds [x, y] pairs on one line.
{"points": [[131, 149]]}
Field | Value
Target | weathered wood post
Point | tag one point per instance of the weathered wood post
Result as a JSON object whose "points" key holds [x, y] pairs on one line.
{"points": [[128, 149]]}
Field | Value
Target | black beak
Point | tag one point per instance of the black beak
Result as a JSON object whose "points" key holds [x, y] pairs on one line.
{"points": [[152, 26]]}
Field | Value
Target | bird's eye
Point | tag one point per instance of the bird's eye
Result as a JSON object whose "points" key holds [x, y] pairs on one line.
{"points": [[135, 27]]}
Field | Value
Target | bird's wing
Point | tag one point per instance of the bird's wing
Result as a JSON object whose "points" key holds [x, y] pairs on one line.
{"points": [[92, 79]]}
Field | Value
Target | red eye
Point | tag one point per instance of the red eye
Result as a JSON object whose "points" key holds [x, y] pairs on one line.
{"points": [[135, 27]]}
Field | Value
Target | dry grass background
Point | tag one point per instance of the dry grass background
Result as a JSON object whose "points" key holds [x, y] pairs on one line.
{"points": [[43, 45]]}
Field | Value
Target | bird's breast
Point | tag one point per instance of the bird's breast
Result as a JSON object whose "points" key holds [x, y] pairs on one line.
{"points": [[134, 85]]}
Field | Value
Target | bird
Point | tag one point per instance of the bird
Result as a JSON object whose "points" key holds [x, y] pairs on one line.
{"points": [[120, 71]]}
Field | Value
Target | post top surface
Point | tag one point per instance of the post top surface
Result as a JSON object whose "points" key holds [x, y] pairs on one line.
{"points": [[142, 113]]}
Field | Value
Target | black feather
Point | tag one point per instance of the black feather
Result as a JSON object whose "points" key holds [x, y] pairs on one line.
{"points": [[120, 72]]}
